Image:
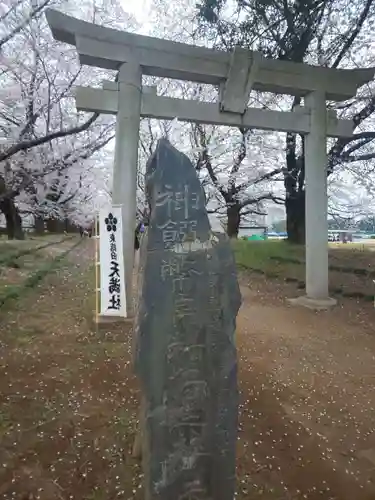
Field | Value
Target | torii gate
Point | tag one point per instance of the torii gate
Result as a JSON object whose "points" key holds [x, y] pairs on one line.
{"points": [[236, 74]]}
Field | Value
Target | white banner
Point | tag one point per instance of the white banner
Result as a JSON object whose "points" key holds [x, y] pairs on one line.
{"points": [[112, 273]]}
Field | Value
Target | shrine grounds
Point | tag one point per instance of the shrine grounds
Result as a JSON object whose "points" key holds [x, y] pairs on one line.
{"points": [[68, 397]]}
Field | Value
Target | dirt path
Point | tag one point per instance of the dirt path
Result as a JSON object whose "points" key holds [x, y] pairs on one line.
{"points": [[307, 384], [67, 407], [68, 398]]}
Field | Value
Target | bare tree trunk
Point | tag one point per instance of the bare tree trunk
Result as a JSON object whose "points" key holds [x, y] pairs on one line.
{"points": [[39, 225], [294, 182], [13, 219], [55, 225], [70, 227], [295, 217], [234, 219]]}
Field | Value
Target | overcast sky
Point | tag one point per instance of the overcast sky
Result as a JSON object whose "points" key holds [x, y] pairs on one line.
{"points": [[140, 10]]}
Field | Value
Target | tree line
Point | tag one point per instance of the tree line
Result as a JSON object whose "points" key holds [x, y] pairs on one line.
{"points": [[54, 162], [48, 151]]}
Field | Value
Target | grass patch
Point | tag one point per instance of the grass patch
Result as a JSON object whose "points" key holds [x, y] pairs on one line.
{"points": [[14, 292], [264, 255], [279, 259], [9, 257]]}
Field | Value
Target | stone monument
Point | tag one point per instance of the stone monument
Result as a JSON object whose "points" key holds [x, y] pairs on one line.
{"points": [[185, 352]]}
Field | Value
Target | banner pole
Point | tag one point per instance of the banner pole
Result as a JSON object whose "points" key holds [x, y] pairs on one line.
{"points": [[97, 263]]}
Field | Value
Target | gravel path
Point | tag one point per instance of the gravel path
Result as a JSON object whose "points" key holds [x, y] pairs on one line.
{"points": [[69, 400]]}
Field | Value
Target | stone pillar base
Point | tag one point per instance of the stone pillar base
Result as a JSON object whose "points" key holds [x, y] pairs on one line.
{"points": [[315, 304], [106, 321]]}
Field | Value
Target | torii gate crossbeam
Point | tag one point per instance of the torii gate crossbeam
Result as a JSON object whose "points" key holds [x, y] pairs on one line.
{"points": [[106, 100]]}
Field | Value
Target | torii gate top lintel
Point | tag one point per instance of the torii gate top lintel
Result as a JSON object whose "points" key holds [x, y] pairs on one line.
{"points": [[237, 73]]}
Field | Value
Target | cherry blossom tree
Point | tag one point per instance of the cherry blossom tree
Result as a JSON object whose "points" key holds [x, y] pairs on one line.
{"points": [[230, 163], [241, 178], [238, 181], [43, 140], [333, 33]]}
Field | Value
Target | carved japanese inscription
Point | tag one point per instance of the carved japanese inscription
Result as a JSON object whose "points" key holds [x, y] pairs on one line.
{"points": [[185, 350]]}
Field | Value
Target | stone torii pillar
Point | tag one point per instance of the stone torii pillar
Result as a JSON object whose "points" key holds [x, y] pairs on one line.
{"points": [[122, 98], [124, 190], [316, 205]]}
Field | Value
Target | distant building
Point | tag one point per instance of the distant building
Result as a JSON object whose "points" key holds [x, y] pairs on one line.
{"points": [[341, 235], [249, 231]]}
